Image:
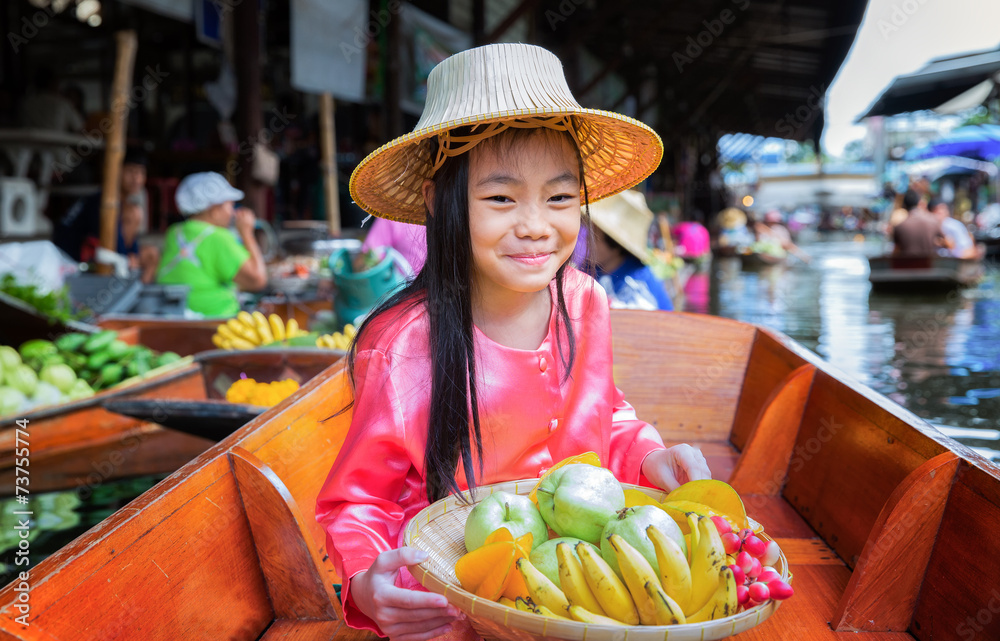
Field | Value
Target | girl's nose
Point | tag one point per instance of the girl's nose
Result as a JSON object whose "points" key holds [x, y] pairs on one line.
{"points": [[532, 222]]}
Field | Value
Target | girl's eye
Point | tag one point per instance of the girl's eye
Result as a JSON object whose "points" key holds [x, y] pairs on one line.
{"points": [[561, 198], [499, 199]]}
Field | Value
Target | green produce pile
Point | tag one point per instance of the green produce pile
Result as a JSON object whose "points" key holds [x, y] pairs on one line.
{"points": [[74, 366], [55, 304]]}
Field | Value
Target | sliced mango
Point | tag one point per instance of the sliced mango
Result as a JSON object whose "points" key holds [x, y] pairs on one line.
{"points": [[635, 498], [717, 495], [485, 571], [590, 458]]}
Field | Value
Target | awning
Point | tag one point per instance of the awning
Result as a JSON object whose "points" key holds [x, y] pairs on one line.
{"points": [[939, 82]]}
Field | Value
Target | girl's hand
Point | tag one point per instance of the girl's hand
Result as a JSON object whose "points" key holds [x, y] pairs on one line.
{"points": [[403, 615], [670, 468]]}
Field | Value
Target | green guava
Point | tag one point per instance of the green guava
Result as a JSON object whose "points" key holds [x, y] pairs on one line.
{"points": [[631, 524], [578, 500]]}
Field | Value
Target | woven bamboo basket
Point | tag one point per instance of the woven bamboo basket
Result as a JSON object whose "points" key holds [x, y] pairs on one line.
{"points": [[439, 529]]}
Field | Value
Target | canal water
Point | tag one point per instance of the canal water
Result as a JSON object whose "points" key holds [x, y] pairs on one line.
{"points": [[936, 355]]}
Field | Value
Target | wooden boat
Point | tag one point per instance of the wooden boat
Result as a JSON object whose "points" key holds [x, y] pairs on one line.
{"points": [[83, 444], [889, 526], [757, 260], [923, 273], [183, 336]]}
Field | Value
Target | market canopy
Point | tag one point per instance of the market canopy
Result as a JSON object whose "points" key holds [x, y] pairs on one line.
{"points": [[959, 80], [974, 141]]}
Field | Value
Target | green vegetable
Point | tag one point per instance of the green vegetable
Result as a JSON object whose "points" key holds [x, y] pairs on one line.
{"points": [[47, 394], [37, 348], [98, 360], [11, 400], [132, 368], [307, 340], [169, 357], [55, 304], [117, 350], [62, 376], [111, 374], [99, 341], [9, 358], [80, 390], [71, 342], [22, 378], [142, 364]]}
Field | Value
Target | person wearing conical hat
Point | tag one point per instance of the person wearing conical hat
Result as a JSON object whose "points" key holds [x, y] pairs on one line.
{"points": [[494, 363], [621, 252]]}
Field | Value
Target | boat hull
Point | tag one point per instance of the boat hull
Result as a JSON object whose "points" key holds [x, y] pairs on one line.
{"points": [[904, 273]]}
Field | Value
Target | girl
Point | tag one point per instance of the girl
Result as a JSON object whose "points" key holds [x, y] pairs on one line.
{"points": [[495, 362]]}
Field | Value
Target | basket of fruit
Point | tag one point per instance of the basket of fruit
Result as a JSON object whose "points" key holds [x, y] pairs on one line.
{"points": [[577, 555]]}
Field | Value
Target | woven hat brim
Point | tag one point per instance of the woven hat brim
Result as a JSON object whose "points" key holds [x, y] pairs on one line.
{"points": [[618, 152]]}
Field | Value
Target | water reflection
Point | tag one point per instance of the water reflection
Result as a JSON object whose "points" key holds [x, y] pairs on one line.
{"points": [[938, 356]]}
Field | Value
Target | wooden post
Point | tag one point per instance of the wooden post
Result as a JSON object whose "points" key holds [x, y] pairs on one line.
{"points": [[249, 118], [328, 139], [114, 145]]}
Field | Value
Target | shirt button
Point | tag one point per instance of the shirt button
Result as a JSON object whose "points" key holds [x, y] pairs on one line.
{"points": [[553, 424], [543, 364]]}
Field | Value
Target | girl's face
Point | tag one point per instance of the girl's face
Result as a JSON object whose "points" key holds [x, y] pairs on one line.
{"points": [[524, 213]]}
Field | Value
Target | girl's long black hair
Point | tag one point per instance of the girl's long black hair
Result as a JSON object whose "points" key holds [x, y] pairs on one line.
{"points": [[444, 287]]}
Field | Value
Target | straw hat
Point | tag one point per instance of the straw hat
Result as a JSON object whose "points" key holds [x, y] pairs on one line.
{"points": [[626, 218], [731, 218], [497, 87]]}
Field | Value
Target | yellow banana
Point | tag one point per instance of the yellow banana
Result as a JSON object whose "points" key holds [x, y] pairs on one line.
{"points": [[241, 343], [722, 602], [246, 318], [706, 561], [546, 612], [668, 612], [525, 605], [584, 615], [220, 341], [226, 332], [636, 571], [242, 330], [573, 581], [292, 328], [505, 601], [692, 520], [675, 573], [263, 328], [277, 327], [608, 589], [350, 331], [541, 588], [341, 341]]}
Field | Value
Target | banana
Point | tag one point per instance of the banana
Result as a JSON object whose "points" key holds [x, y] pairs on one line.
{"points": [[722, 602], [608, 589], [675, 573], [246, 318], [542, 590], [573, 581], [668, 612], [350, 331], [263, 328], [525, 605], [243, 330], [505, 601], [220, 341], [292, 328], [277, 327], [225, 331], [241, 343], [706, 561], [584, 615], [692, 520], [636, 571], [545, 612]]}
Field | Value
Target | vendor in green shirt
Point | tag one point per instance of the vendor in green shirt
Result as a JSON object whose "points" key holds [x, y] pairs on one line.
{"points": [[202, 252]]}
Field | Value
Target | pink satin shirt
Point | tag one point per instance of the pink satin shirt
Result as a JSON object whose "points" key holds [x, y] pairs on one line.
{"points": [[532, 415]]}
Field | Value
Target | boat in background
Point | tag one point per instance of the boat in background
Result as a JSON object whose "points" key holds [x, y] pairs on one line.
{"points": [[758, 260], [923, 273], [888, 525]]}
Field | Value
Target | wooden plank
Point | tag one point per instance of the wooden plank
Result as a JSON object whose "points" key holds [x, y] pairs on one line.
{"points": [[770, 362], [808, 552], [845, 444], [721, 457], [681, 372], [763, 467], [287, 557], [297, 630], [185, 568], [960, 598], [883, 589]]}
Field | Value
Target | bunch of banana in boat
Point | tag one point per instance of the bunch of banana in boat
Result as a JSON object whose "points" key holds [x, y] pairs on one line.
{"points": [[582, 547], [250, 331]]}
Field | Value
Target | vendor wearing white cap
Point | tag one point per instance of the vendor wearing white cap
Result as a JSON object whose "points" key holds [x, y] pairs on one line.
{"points": [[203, 253]]}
